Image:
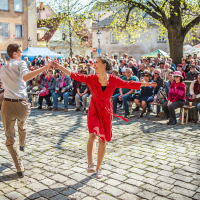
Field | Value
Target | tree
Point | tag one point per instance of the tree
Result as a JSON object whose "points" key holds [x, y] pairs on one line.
{"points": [[70, 21], [177, 19]]}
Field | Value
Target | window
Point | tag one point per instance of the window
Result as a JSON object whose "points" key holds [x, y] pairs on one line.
{"points": [[18, 6], [3, 4], [18, 30], [113, 38], [4, 30], [160, 38], [84, 39]]}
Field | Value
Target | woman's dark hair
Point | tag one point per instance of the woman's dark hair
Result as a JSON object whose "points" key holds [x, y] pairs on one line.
{"points": [[12, 48], [107, 61]]}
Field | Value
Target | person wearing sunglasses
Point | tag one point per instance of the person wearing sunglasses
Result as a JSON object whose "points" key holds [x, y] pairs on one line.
{"points": [[147, 93], [176, 98]]}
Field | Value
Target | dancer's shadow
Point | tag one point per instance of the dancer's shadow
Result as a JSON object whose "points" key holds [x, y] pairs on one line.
{"points": [[62, 192], [8, 177]]}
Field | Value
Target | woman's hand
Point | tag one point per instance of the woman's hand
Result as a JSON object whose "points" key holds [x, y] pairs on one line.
{"points": [[169, 103], [55, 64]]}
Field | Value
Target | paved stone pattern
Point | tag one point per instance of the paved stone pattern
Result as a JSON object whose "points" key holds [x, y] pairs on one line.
{"points": [[145, 160]]}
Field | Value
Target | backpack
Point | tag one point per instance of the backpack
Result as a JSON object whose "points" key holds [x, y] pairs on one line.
{"points": [[162, 95]]}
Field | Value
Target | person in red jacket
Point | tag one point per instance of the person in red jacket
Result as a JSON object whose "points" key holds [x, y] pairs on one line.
{"points": [[176, 98], [100, 114]]}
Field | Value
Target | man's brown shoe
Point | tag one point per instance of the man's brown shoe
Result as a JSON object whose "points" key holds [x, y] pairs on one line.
{"points": [[54, 109], [65, 110]]}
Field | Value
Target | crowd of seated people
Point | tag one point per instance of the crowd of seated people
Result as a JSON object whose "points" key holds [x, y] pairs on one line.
{"points": [[164, 72]]}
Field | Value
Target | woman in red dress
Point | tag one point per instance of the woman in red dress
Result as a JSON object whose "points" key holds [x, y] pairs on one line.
{"points": [[100, 112]]}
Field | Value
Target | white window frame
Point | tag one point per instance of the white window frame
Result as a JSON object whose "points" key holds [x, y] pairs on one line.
{"points": [[22, 31], [8, 30], [5, 9], [161, 39], [111, 39], [21, 4]]}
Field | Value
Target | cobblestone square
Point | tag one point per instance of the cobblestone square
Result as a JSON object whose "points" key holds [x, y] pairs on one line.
{"points": [[146, 159]]}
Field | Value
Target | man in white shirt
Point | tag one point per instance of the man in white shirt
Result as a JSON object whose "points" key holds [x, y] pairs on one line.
{"points": [[90, 70], [15, 106]]}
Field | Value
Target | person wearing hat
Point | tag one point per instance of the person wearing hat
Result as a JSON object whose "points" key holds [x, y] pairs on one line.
{"points": [[147, 93], [176, 98], [40, 61], [193, 73], [123, 72], [142, 68]]}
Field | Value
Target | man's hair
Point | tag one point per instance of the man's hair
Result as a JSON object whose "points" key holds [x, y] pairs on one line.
{"points": [[129, 69], [115, 71], [107, 61], [195, 54], [12, 48], [50, 70], [193, 66], [143, 65], [131, 62], [157, 70]]}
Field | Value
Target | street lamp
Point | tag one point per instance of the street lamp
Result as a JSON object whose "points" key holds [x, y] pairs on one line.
{"points": [[29, 41], [99, 38]]}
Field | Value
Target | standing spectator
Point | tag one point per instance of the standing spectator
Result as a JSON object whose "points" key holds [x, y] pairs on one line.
{"points": [[173, 66], [90, 70], [192, 74], [122, 65], [179, 68], [165, 72], [125, 95], [74, 67], [147, 93], [176, 98], [161, 65], [156, 63], [47, 61], [28, 63], [141, 70], [169, 82], [148, 64], [189, 59], [82, 93], [134, 69], [159, 81], [63, 87], [48, 83], [40, 61]]}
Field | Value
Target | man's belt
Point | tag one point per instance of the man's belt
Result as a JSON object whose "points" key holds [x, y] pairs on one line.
{"points": [[14, 100]]}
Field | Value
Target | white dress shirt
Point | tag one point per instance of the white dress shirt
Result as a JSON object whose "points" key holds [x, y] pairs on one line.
{"points": [[12, 77]]}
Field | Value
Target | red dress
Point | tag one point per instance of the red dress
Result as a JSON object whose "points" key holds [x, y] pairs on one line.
{"points": [[100, 111]]}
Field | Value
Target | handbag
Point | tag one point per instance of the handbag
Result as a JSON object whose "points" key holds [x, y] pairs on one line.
{"points": [[44, 93]]}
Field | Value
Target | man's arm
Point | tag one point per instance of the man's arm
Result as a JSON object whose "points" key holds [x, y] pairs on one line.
{"points": [[33, 74]]}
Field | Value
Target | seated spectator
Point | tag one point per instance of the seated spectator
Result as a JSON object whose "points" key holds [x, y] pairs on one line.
{"points": [[172, 65], [48, 83], [169, 82], [40, 61], [63, 87], [192, 74], [115, 73], [147, 93], [115, 65], [34, 63], [196, 59], [148, 64], [124, 95], [161, 65], [134, 69], [165, 72], [82, 93], [159, 81], [180, 69], [65, 65], [152, 68], [142, 67], [195, 99], [185, 66], [90, 70], [74, 67], [176, 98], [123, 73], [122, 65]]}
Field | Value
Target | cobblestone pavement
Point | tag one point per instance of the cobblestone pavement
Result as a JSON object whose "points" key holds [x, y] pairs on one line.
{"points": [[145, 160]]}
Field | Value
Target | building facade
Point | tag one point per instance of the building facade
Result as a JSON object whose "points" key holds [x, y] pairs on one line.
{"points": [[18, 23], [148, 42]]}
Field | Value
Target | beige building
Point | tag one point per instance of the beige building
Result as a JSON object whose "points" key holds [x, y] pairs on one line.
{"points": [[18, 23], [109, 45]]}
